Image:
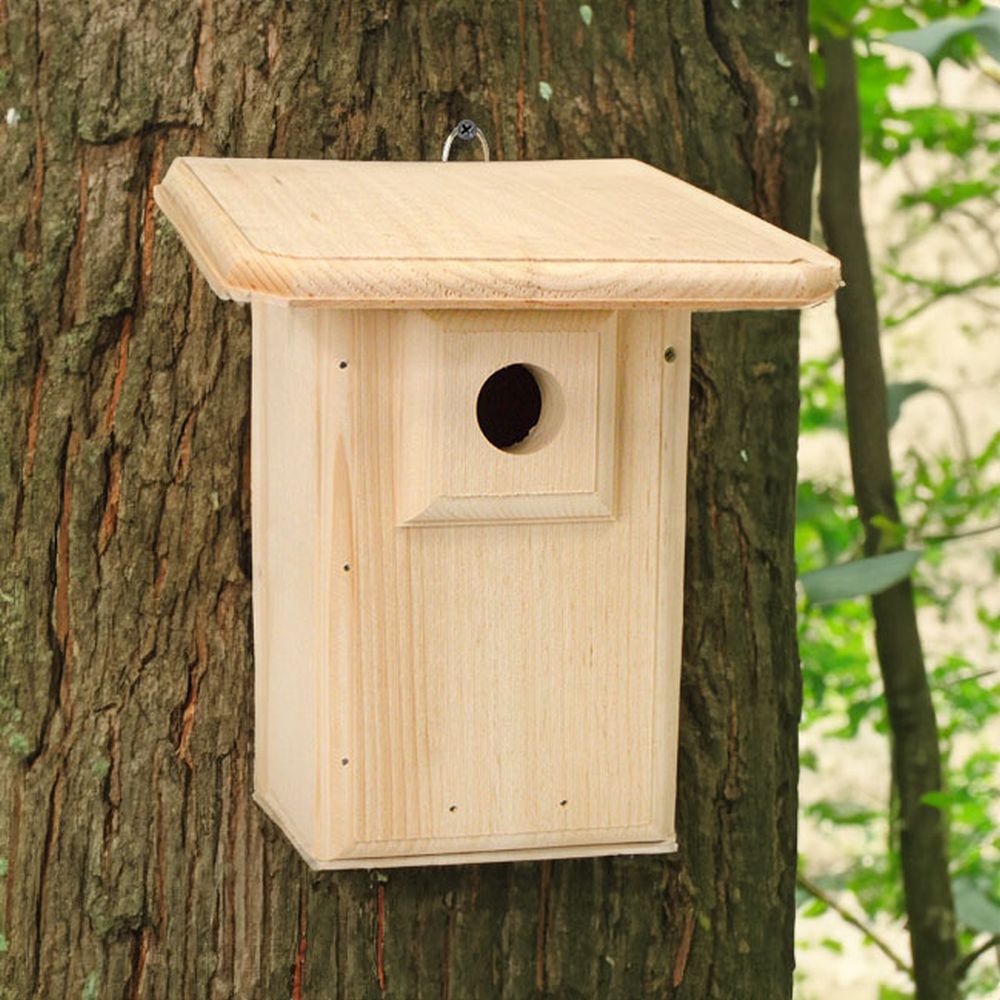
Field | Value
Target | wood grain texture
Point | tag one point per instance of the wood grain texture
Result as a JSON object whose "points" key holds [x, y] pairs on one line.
{"points": [[461, 691], [595, 233]]}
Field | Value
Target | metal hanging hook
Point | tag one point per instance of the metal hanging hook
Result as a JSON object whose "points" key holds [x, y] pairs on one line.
{"points": [[467, 130]]}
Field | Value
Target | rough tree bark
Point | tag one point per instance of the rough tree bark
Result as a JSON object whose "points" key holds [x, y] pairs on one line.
{"points": [[136, 864]]}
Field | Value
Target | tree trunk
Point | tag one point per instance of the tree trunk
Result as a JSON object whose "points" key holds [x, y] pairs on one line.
{"points": [[137, 865], [916, 750]]}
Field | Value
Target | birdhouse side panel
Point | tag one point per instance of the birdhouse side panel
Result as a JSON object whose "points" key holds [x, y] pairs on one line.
{"points": [[302, 595]]}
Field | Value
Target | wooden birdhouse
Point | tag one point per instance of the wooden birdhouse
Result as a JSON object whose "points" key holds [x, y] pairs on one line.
{"points": [[469, 436]]}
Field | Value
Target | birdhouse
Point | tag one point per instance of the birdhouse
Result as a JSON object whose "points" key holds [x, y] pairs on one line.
{"points": [[469, 437]]}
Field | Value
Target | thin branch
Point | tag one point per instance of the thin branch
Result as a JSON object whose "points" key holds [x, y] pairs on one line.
{"points": [[972, 532], [959, 422], [939, 291], [984, 228], [965, 678], [962, 238], [987, 307], [814, 890], [969, 960], [939, 287], [988, 69]]}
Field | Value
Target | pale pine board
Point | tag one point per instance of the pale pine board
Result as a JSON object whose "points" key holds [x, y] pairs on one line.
{"points": [[499, 668], [561, 233]]}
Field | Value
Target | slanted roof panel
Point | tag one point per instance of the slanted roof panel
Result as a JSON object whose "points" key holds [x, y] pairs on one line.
{"points": [[552, 233]]}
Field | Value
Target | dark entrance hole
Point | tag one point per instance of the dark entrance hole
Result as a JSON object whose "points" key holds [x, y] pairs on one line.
{"points": [[509, 406]]}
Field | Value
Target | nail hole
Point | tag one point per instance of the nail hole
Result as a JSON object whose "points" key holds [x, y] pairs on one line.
{"points": [[452, 809], [343, 364], [347, 567], [344, 761], [669, 355], [563, 802]]}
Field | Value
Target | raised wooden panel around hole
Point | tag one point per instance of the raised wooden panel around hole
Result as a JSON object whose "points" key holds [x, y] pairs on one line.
{"points": [[448, 471]]}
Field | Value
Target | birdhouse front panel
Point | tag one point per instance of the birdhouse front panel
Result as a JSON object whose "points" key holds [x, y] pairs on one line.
{"points": [[500, 679], [469, 437]]}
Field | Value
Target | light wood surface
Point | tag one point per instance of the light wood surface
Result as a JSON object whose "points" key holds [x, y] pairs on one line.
{"points": [[462, 692], [565, 233], [449, 472]]}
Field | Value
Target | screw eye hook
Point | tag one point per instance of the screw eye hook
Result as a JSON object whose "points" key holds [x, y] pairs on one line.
{"points": [[466, 130]]}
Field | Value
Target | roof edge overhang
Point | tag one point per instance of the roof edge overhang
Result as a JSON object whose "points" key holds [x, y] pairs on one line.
{"points": [[237, 270]]}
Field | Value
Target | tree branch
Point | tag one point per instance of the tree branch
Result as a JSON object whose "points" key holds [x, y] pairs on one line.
{"points": [[814, 890], [955, 535], [939, 290], [969, 960]]}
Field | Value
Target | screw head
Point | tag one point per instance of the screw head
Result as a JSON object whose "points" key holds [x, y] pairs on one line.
{"points": [[669, 355], [467, 129]]}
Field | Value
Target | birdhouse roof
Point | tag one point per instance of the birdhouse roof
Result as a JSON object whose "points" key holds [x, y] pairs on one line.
{"points": [[573, 233]]}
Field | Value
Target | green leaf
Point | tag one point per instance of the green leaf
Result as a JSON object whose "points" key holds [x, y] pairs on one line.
{"points": [[815, 908], [586, 14], [545, 90], [950, 194], [891, 533], [880, 20], [860, 577], [974, 908], [898, 393], [843, 813], [891, 993], [932, 40], [938, 799], [834, 16]]}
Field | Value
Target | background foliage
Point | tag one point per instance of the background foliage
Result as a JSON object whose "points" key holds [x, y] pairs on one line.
{"points": [[949, 497]]}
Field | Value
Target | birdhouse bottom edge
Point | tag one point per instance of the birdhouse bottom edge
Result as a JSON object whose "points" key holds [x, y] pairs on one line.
{"points": [[274, 813]]}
